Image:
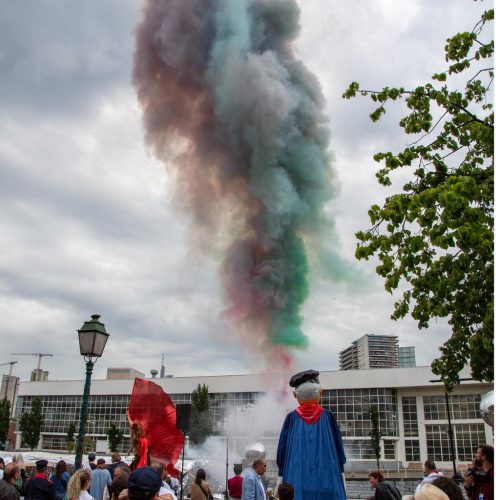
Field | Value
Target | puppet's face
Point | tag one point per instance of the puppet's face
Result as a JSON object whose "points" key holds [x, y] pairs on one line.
{"points": [[308, 392]]}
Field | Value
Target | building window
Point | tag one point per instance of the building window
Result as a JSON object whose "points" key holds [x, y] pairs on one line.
{"points": [[358, 449], [435, 408], [54, 443], [468, 437], [410, 421], [438, 446], [351, 409], [465, 406], [389, 450], [462, 407], [412, 450]]}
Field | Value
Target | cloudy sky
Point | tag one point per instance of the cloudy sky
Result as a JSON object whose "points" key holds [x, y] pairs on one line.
{"points": [[86, 219]]}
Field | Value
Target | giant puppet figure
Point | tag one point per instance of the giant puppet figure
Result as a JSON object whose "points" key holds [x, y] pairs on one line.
{"points": [[310, 450]]}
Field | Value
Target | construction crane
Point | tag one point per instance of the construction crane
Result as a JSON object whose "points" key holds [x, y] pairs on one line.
{"points": [[39, 354], [11, 363]]}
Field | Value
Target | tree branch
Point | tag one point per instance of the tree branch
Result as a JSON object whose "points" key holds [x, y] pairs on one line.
{"points": [[478, 73], [430, 131]]}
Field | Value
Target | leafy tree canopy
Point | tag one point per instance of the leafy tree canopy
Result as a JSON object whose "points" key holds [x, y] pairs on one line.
{"points": [[435, 238], [70, 437], [375, 433], [200, 398], [31, 424], [4, 418], [115, 437], [201, 422]]}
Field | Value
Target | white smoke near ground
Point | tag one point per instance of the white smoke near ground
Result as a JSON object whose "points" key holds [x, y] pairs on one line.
{"points": [[258, 422]]}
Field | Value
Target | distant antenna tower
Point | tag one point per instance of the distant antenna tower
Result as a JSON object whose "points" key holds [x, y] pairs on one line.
{"points": [[162, 369]]}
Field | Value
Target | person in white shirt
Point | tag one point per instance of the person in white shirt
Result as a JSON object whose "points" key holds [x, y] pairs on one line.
{"points": [[430, 473], [165, 487], [172, 482]]}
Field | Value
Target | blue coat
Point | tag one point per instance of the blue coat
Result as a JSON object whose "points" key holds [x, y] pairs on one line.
{"points": [[311, 457], [253, 489]]}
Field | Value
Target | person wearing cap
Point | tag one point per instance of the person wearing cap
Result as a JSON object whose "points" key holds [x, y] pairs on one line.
{"points": [[100, 479], [39, 487], [143, 484], [310, 449]]}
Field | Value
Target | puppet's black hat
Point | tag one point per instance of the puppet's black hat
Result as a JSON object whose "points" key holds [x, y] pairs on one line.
{"points": [[302, 377]]}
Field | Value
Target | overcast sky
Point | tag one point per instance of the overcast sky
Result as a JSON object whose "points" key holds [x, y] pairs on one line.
{"points": [[86, 222]]}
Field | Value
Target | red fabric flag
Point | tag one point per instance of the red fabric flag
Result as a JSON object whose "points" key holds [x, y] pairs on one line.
{"points": [[152, 407]]}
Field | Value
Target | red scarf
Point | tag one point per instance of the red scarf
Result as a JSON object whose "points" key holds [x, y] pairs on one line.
{"points": [[41, 475], [309, 412]]}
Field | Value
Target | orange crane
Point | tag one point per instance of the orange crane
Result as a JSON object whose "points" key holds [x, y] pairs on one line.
{"points": [[11, 363], [39, 354]]}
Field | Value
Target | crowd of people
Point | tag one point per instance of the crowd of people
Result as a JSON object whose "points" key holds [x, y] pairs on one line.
{"points": [[116, 481], [478, 481], [94, 481]]}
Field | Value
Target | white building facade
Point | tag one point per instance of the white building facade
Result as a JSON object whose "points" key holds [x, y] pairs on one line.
{"points": [[412, 410]]}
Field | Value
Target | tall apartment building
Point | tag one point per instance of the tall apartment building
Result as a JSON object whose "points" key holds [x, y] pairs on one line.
{"points": [[370, 351], [8, 390]]}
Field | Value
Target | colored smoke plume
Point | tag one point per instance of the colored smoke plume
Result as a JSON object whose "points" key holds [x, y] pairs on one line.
{"points": [[229, 109]]}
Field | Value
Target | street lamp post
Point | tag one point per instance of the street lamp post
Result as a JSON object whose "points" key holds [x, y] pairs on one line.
{"points": [[92, 338], [457, 477], [451, 440]]}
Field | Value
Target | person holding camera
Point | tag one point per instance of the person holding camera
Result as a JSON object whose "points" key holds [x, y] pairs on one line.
{"points": [[479, 481]]}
